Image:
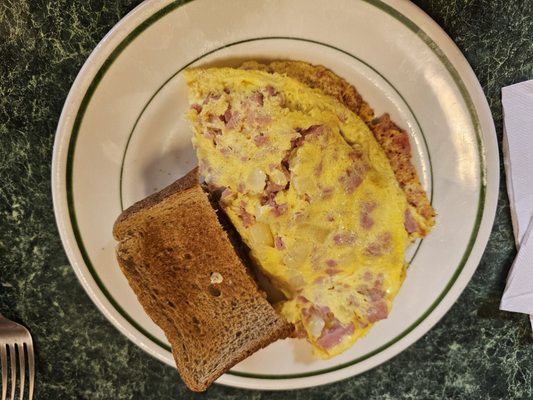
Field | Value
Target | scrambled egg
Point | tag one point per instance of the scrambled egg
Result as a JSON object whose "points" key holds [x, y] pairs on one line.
{"points": [[312, 195]]}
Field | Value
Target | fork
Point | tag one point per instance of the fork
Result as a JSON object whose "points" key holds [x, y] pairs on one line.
{"points": [[14, 338]]}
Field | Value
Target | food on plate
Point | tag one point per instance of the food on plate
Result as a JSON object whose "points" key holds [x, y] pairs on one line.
{"points": [[301, 182], [190, 280], [326, 200]]}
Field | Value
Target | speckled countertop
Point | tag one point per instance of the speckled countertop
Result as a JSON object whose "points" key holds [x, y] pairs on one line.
{"points": [[474, 352]]}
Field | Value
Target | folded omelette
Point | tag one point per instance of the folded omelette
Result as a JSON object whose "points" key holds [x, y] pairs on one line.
{"points": [[311, 193]]}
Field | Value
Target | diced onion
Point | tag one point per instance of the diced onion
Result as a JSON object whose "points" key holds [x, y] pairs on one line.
{"points": [[304, 184], [297, 254], [260, 234], [314, 232], [256, 181], [316, 325], [278, 177]]}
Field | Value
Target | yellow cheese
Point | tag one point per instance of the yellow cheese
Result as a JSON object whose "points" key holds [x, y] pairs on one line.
{"points": [[311, 193]]}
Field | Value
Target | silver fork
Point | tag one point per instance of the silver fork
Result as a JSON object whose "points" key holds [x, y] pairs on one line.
{"points": [[15, 338]]}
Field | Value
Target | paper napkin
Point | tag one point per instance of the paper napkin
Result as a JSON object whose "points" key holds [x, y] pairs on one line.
{"points": [[517, 101]]}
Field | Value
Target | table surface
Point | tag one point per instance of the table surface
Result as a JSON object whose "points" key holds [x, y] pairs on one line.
{"points": [[474, 352]]}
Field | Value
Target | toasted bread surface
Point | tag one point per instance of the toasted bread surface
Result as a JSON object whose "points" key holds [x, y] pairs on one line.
{"points": [[187, 276], [393, 139]]}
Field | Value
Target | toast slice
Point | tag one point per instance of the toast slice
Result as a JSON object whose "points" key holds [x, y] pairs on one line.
{"points": [[187, 275]]}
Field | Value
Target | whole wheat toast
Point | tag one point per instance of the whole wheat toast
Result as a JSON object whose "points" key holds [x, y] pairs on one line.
{"points": [[186, 274]]}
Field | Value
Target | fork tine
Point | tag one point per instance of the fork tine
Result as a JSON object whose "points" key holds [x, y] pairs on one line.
{"points": [[31, 366], [22, 363], [3, 356], [13, 359]]}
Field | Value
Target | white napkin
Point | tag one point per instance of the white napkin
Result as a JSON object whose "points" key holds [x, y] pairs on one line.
{"points": [[517, 101]]}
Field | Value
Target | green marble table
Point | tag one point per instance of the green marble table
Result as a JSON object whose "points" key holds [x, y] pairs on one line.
{"points": [[474, 352]]}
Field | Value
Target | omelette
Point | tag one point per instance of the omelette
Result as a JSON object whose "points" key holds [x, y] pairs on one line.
{"points": [[312, 194]]}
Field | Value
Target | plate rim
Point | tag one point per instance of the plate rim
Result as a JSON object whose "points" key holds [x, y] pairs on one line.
{"points": [[159, 10]]}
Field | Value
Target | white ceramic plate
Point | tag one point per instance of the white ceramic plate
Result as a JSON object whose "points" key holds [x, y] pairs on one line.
{"points": [[122, 136]]}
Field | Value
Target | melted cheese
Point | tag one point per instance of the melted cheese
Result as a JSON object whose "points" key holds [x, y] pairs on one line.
{"points": [[311, 193]]}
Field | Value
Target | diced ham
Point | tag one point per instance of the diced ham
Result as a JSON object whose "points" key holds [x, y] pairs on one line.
{"points": [[262, 119], [268, 199], [385, 239], [274, 187], [322, 311], [225, 151], [377, 311], [246, 218], [344, 238], [355, 154], [211, 133], [332, 271], [365, 218], [333, 335], [279, 209], [351, 180], [226, 116], [197, 107], [326, 192], [231, 119], [211, 118], [320, 280], [302, 299], [323, 324], [297, 142], [257, 97], [313, 130], [301, 134], [410, 223], [378, 283], [279, 244], [380, 246], [375, 294], [271, 90], [367, 276], [373, 249], [260, 140]]}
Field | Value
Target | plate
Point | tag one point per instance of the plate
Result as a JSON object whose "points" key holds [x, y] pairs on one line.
{"points": [[122, 136]]}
